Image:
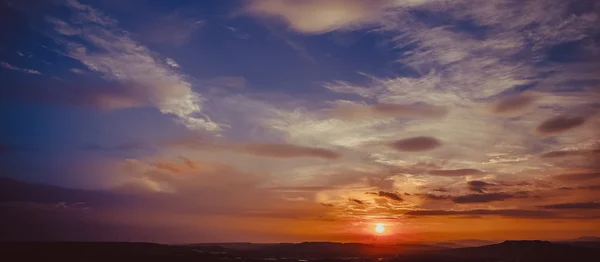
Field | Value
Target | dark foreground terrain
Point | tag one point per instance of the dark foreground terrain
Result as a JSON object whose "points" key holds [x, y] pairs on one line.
{"points": [[310, 251]]}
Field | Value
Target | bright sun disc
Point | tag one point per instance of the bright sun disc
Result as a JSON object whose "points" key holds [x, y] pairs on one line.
{"points": [[379, 228]]}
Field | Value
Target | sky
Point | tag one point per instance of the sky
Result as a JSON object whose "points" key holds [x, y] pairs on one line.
{"points": [[299, 120]]}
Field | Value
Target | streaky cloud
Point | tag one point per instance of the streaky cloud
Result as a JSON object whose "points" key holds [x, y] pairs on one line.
{"points": [[456, 172], [416, 144], [559, 124], [481, 198], [578, 205]]}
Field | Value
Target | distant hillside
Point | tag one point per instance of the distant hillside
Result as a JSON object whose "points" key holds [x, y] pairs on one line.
{"points": [[527, 251], [323, 249], [522, 251]]}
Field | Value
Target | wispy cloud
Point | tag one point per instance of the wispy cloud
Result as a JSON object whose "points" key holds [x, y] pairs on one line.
{"points": [[456, 172], [171, 62], [318, 16], [24, 70], [119, 57]]}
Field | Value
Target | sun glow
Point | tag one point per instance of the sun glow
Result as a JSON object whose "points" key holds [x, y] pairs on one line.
{"points": [[379, 228]]}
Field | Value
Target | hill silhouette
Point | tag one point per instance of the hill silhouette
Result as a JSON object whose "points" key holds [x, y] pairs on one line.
{"points": [[533, 251]]}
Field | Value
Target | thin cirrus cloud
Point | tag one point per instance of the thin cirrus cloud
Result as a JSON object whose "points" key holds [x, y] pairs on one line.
{"points": [[15, 68], [174, 29], [520, 213], [578, 176], [456, 172], [352, 111], [569, 153], [416, 144], [275, 150], [114, 53]]}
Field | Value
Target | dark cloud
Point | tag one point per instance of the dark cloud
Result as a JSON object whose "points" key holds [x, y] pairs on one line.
{"points": [[356, 201], [481, 198], [578, 176], [358, 111], [287, 151], [388, 195], [568, 153], [327, 205], [478, 186], [434, 197], [580, 205], [513, 104], [559, 124], [592, 187], [264, 149], [416, 144], [456, 172], [520, 213], [513, 183]]}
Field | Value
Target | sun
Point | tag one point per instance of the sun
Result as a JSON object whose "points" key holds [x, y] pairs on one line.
{"points": [[379, 228]]}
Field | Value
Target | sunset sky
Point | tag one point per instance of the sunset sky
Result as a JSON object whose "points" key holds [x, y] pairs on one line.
{"points": [[299, 120]]}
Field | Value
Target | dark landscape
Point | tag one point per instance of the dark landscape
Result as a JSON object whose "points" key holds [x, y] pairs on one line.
{"points": [[522, 251]]}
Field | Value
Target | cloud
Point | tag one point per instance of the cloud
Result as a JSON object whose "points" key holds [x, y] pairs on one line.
{"points": [[519, 213], [513, 105], [416, 144], [111, 51], [580, 205], [263, 149], [577, 176], [299, 188], [354, 200], [568, 153], [315, 16], [285, 150], [559, 124], [478, 186], [481, 198], [76, 70], [171, 62], [434, 197], [349, 110], [456, 172], [388, 195], [14, 68]]}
